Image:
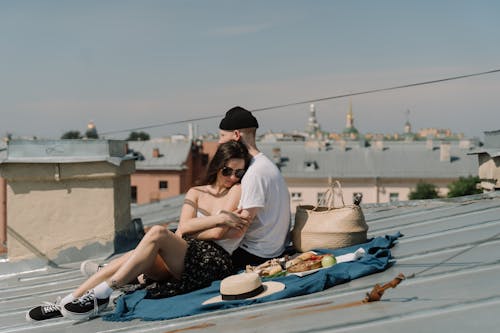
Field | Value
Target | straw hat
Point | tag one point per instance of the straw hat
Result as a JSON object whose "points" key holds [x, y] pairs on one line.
{"points": [[245, 286]]}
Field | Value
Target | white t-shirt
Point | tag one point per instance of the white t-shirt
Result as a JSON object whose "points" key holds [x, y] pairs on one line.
{"points": [[263, 186]]}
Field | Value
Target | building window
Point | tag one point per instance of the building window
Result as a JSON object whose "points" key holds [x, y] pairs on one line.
{"points": [[296, 196], [311, 166], [133, 194], [163, 185], [393, 197]]}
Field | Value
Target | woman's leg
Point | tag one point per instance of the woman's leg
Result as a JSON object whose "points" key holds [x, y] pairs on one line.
{"points": [[158, 241], [102, 275]]}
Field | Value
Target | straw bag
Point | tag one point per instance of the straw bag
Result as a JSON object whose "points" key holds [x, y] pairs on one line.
{"points": [[327, 227]]}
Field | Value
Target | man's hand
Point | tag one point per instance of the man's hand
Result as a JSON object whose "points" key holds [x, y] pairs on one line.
{"points": [[246, 214], [242, 214]]}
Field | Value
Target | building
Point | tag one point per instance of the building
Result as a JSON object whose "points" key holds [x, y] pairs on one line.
{"points": [[3, 203], [63, 195], [383, 172], [313, 129], [350, 132], [489, 161], [165, 168]]}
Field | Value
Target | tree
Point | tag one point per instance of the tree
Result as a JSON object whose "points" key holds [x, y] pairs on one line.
{"points": [[464, 186], [71, 135], [138, 136], [424, 191]]}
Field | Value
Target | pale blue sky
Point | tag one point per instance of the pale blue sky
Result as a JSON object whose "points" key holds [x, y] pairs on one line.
{"points": [[127, 64]]}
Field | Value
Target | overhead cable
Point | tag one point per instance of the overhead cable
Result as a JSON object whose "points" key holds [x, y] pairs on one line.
{"points": [[310, 101]]}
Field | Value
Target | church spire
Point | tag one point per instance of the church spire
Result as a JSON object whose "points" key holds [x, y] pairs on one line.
{"points": [[350, 132], [349, 118], [312, 123]]}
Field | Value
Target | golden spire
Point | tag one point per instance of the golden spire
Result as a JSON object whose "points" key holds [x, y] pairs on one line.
{"points": [[350, 117]]}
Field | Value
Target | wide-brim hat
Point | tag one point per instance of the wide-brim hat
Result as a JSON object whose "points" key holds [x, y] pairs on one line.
{"points": [[245, 286]]}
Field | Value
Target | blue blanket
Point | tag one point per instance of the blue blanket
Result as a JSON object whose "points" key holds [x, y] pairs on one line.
{"points": [[377, 259]]}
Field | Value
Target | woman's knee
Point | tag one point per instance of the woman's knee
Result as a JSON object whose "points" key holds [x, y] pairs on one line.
{"points": [[158, 233]]}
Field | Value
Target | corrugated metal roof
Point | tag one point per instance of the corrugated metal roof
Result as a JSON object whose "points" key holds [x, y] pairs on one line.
{"points": [[456, 240], [160, 212], [172, 155], [394, 161]]}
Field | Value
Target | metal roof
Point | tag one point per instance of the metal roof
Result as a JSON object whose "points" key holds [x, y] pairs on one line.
{"points": [[452, 244], [405, 160], [491, 144], [160, 212], [3, 150], [172, 155], [65, 151]]}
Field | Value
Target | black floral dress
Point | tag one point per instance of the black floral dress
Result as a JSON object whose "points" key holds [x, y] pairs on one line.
{"points": [[204, 263]]}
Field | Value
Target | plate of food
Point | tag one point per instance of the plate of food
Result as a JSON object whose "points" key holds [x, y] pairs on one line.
{"points": [[308, 263], [302, 264]]}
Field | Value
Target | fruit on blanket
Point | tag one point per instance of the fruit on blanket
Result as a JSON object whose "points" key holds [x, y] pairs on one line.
{"points": [[328, 260]]}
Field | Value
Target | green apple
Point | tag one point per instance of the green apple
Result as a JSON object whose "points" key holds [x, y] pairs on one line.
{"points": [[328, 260]]}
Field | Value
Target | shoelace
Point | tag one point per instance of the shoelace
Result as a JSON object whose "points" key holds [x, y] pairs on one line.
{"points": [[89, 296], [48, 307]]}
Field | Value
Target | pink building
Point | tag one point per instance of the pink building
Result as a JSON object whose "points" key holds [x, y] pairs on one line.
{"points": [[165, 169]]}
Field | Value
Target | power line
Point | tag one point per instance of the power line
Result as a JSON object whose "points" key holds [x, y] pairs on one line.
{"points": [[365, 92]]}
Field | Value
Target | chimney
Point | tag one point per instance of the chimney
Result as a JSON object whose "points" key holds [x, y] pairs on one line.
{"points": [[444, 152], [429, 144], [343, 145], [156, 152], [465, 144], [191, 134], [277, 155], [55, 187]]}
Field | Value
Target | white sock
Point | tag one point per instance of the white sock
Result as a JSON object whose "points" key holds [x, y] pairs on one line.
{"points": [[67, 299], [103, 290]]}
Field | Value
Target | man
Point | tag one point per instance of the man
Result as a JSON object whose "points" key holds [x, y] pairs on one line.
{"points": [[265, 200]]}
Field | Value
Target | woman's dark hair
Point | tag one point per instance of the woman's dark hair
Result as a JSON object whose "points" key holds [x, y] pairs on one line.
{"points": [[225, 152]]}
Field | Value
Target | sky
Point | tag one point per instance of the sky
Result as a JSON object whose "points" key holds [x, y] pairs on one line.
{"points": [[128, 65]]}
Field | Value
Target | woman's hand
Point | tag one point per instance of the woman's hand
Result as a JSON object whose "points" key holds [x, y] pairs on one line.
{"points": [[233, 221]]}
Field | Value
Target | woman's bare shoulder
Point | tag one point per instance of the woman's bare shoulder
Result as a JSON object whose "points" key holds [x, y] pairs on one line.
{"points": [[195, 191], [236, 188]]}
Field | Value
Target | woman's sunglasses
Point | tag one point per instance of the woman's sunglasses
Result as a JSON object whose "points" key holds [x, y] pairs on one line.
{"points": [[227, 171]]}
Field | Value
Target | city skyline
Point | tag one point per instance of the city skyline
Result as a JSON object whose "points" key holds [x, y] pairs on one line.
{"points": [[129, 64]]}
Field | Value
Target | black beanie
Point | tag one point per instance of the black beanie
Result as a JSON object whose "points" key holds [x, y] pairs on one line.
{"points": [[237, 118]]}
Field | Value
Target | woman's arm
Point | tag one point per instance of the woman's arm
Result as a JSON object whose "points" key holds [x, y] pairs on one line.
{"points": [[206, 227], [231, 226], [189, 223]]}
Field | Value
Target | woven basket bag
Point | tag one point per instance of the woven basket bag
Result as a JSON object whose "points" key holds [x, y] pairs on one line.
{"points": [[327, 227]]}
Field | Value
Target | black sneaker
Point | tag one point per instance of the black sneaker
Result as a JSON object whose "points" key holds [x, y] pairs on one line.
{"points": [[84, 307], [43, 312]]}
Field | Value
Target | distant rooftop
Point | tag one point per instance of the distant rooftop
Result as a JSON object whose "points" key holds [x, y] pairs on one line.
{"points": [[65, 151], [392, 160], [160, 154]]}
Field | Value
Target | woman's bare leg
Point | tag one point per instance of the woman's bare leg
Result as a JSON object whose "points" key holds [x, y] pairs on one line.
{"points": [[157, 241], [102, 275]]}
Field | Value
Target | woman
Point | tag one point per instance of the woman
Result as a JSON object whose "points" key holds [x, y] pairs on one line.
{"points": [[197, 254]]}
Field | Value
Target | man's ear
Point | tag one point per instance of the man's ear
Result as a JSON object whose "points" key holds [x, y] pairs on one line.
{"points": [[237, 135]]}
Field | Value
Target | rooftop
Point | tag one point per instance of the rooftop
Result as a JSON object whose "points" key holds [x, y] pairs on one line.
{"points": [[170, 155], [393, 160], [452, 245]]}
